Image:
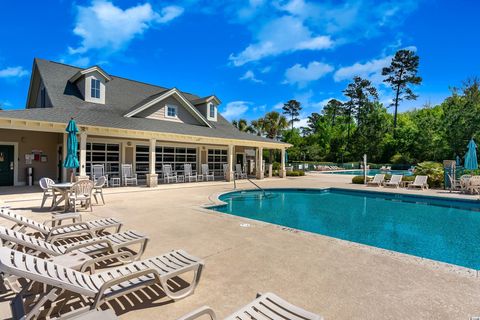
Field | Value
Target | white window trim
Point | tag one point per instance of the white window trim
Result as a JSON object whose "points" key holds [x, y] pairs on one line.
{"points": [[214, 118], [92, 79], [166, 111]]}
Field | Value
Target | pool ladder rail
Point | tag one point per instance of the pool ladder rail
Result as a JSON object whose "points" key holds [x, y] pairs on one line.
{"points": [[256, 185]]}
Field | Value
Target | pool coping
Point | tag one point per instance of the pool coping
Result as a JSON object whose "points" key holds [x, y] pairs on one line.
{"points": [[404, 257]]}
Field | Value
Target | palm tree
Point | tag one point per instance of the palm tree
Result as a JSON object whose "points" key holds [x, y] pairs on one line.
{"points": [[274, 124], [242, 125], [258, 126]]}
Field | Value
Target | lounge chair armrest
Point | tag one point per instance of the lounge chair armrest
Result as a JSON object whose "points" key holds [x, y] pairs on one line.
{"points": [[205, 310], [89, 243], [108, 284], [61, 217], [87, 227], [90, 264]]}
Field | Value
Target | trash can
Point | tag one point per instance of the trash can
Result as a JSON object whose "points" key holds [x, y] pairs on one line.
{"points": [[30, 176]]}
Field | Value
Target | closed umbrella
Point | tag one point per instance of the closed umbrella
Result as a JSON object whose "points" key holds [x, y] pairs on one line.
{"points": [[471, 162], [71, 160], [458, 161]]}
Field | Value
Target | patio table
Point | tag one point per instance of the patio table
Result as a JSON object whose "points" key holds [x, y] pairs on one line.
{"points": [[63, 189]]}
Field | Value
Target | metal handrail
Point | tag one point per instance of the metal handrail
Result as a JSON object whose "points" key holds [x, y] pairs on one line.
{"points": [[256, 185]]}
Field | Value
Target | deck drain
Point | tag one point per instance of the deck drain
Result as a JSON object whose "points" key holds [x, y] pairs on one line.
{"points": [[245, 225]]}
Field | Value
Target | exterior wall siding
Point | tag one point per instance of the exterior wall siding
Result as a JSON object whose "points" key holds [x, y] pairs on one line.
{"points": [[157, 112], [31, 140]]}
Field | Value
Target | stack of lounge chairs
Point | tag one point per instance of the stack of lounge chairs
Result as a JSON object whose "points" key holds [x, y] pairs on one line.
{"points": [[49, 265]]}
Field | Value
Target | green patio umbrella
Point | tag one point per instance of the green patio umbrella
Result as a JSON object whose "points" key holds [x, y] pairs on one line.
{"points": [[471, 162], [71, 160]]}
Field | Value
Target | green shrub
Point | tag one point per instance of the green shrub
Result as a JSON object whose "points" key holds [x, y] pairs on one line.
{"points": [[359, 179], [400, 159], [434, 171], [276, 165], [408, 178], [295, 173]]}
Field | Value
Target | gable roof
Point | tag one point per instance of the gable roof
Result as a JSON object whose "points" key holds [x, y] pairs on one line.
{"points": [[121, 96], [150, 101], [83, 72], [206, 99]]}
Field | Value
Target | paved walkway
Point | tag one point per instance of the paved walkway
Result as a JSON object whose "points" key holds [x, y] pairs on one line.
{"points": [[335, 278]]}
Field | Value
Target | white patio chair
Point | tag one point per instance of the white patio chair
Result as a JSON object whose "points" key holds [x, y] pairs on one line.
{"points": [[420, 182], [97, 288], [98, 188], [189, 175], [168, 174], [473, 186], [377, 180], [266, 306], [98, 170], [48, 192], [81, 192], [206, 173], [128, 176], [239, 173], [394, 181], [51, 230], [464, 181]]}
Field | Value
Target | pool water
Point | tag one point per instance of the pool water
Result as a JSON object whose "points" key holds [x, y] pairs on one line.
{"points": [[430, 227], [372, 172]]}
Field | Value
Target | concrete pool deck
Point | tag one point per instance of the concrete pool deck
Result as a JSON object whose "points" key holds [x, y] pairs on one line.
{"points": [[334, 278]]}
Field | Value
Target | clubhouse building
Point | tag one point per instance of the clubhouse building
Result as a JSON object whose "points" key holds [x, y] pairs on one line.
{"points": [[121, 121]]}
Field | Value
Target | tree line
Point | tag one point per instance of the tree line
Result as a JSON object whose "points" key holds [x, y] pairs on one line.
{"points": [[345, 130]]}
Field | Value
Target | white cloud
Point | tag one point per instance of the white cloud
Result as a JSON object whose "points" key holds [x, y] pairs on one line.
{"points": [[350, 20], [250, 75], [169, 13], [102, 25], [13, 72], [371, 70], [281, 35], [235, 109], [302, 123], [300, 75], [278, 106]]}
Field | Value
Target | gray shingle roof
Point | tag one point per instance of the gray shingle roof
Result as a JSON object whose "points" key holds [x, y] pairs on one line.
{"points": [[122, 95]]}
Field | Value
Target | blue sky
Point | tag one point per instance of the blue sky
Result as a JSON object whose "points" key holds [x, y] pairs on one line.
{"points": [[253, 55]]}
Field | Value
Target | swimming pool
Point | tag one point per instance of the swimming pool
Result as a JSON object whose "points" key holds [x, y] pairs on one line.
{"points": [[430, 227], [372, 172]]}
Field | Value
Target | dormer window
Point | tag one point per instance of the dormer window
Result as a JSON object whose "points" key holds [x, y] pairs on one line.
{"points": [[171, 111], [211, 110], [95, 89]]}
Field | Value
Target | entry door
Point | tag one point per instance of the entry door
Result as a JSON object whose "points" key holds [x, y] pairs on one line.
{"points": [[6, 165], [240, 159]]}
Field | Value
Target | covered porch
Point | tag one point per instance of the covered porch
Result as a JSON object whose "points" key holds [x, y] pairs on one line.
{"points": [[42, 146]]}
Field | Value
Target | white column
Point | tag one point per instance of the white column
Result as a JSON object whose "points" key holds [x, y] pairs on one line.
{"points": [[64, 156], [259, 165], [83, 155], [152, 177], [229, 172], [282, 173]]}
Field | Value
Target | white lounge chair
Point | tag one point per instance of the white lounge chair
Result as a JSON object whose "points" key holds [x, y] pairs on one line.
{"points": [[206, 173], [168, 174], [98, 170], [112, 243], [81, 191], [54, 232], [267, 306], [419, 182], [394, 181], [239, 173], [188, 173], [100, 287], [377, 180], [46, 185], [98, 188], [128, 176]]}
